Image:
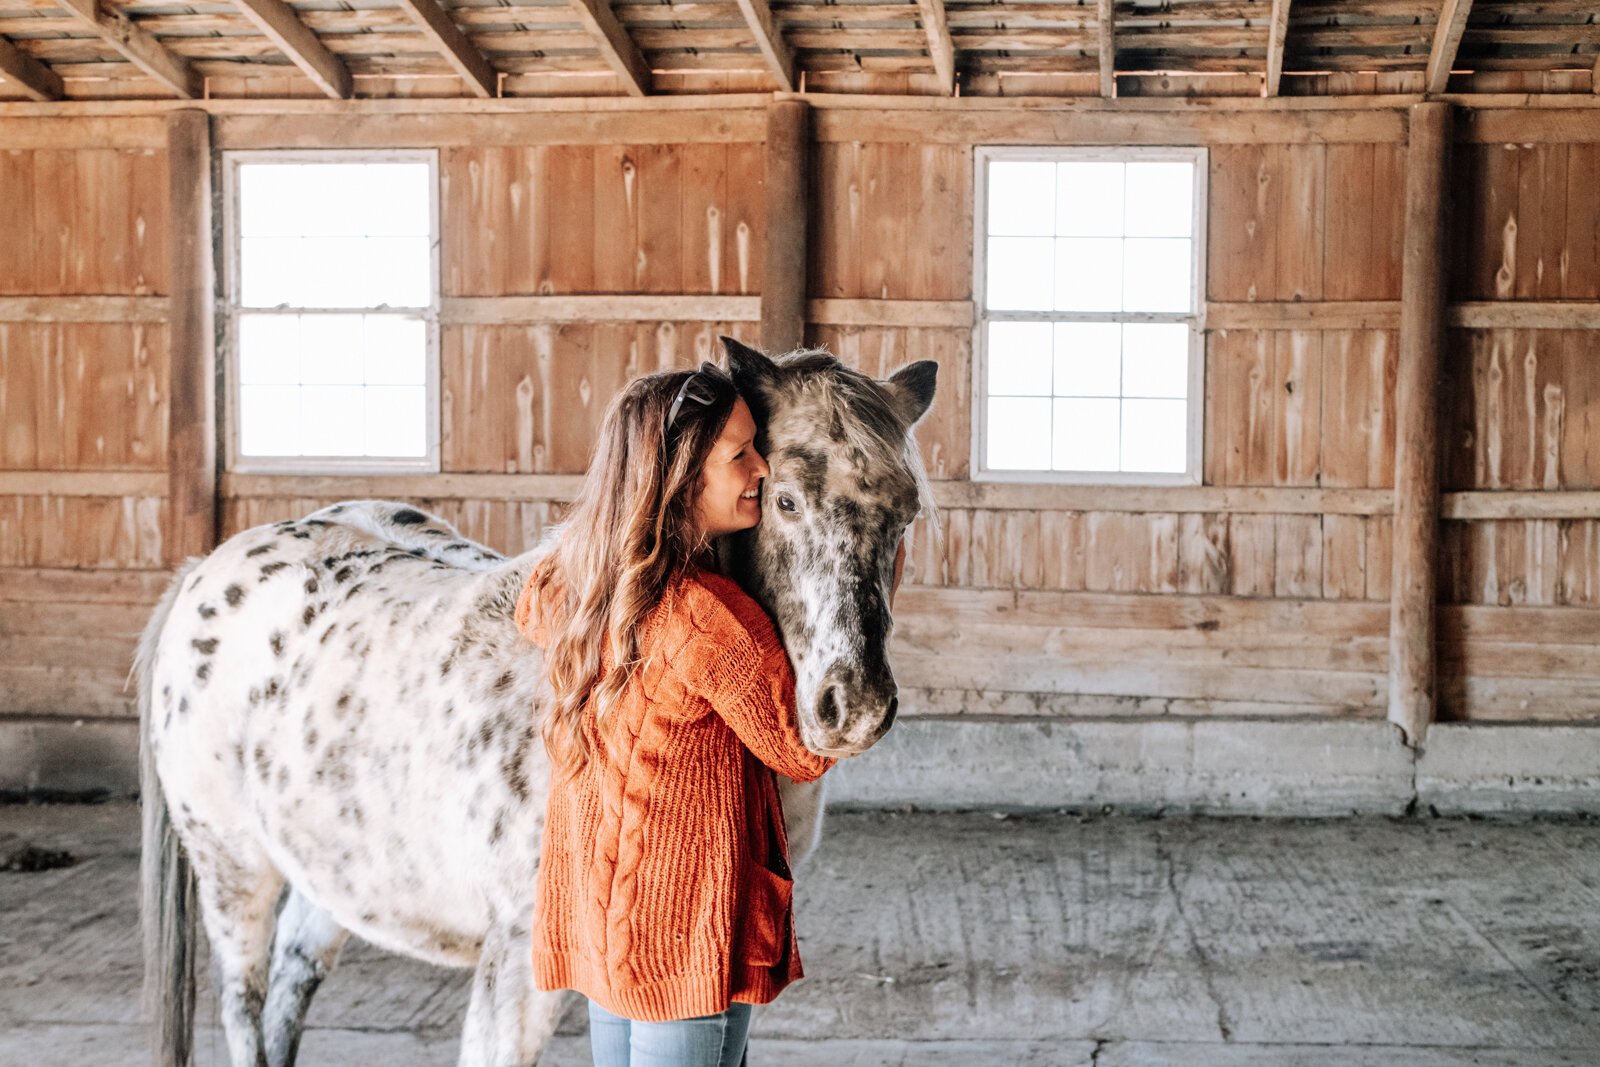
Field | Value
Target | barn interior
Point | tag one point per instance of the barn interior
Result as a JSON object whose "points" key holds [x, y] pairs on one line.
{"points": [[1353, 602]]}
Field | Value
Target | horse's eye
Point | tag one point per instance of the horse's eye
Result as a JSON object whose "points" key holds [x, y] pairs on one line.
{"points": [[786, 503]]}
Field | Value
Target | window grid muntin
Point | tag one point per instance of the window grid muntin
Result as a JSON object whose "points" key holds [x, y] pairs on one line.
{"points": [[234, 309], [1194, 395]]}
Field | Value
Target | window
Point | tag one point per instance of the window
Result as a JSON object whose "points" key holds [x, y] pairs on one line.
{"points": [[1088, 347], [332, 308]]}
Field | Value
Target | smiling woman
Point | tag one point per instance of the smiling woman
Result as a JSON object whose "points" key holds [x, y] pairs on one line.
{"points": [[665, 852]]}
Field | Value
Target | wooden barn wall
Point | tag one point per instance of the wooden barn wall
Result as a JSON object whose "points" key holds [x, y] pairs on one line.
{"points": [[1262, 592], [83, 415]]}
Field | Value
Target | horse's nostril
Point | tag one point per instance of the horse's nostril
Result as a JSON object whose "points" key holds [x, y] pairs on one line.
{"points": [[888, 718], [830, 710]]}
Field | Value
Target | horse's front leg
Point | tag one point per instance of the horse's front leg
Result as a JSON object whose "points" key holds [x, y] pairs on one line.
{"points": [[509, 1022]]}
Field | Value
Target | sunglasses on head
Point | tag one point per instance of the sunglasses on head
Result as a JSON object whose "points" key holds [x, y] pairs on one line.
{"points": [[700, 388]]}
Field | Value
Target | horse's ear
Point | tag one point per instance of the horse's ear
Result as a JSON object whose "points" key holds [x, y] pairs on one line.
{"points": [[750, 369], [912, 389]]}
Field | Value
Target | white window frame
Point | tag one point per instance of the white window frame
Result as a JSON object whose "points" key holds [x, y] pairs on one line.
{"points": [[232, 309], [983, 156]]}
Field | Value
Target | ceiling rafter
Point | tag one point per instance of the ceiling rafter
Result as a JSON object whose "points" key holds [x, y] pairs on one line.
{"points": [[940, 45], [279, 23], [616, 47], [1108, 48], [769, 38], [138, 47], [480, 77], [34, 78], [1277, 35], [1446, 40]]}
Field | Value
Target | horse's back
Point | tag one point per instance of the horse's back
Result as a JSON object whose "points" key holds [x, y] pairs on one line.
{"points": [[349, 688]]}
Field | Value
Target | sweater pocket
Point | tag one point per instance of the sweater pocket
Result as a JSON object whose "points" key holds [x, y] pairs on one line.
{"points": [[768, 918]]}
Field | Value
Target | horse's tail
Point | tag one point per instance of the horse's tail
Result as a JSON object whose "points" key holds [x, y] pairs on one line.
{"points": [[167, 910]]}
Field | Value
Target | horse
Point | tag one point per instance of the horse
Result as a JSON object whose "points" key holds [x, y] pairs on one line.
{"points": [[340, 723]]}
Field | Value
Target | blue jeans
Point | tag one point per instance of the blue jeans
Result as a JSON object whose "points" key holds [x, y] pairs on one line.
{"points": [[705, 1041]]}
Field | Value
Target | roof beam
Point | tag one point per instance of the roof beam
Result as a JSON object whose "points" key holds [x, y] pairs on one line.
{"points": [[616, 47], [1108, 49], [461, 53], [141, 49], [940, 46], [1446, 40], [35, 79], [769, 38], [278, 21], [1277, 34]]}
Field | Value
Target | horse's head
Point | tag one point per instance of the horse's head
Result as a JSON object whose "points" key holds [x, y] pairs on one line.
{"points": [[846, 482]]}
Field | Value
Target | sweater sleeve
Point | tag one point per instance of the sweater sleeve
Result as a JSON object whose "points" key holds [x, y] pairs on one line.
{"points": [[728, 653]]}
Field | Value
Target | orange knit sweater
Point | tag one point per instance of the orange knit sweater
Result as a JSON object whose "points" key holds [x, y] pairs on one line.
{"points": [[664, 887]]}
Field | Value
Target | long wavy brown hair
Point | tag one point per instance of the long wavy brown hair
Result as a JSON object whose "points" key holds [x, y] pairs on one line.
{"points": [[631, 531]]}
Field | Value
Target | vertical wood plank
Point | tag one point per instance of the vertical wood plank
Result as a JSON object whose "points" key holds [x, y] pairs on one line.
{"points": [[192, 474]]}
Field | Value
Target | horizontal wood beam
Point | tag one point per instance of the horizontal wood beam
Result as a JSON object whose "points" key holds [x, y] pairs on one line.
{"points": [[616, 47], [83, 483], [489, 310], [930, 314], [1277, 36], [1304, 315], [458, 51], [1526, 314], [1452, 24], [279, 23], [139, 47], [84, 308], [941, 49], [35, 79], [769, 39]]}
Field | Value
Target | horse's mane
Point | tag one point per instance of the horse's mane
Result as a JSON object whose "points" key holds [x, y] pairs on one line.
{"points": [[873, 424]]}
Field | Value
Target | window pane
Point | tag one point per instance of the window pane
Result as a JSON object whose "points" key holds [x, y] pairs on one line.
{"points": [[331, 420], [1022, 199], [1153, 435], [395, 200], [397, 271], [269, 271], [1089, 199], [330, 349], [1019, 434], [269, 420], [274, 199], [1156, 275], [1088, 274], [1019, 358], [1088, 359], [1160, 199], [1019, 273], [1155, 359], [1085, 435], [396, 350], [396, 420], [269, 349]]}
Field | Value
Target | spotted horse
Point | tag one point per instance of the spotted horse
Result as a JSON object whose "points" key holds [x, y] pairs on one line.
{"points": [[339, 721]]}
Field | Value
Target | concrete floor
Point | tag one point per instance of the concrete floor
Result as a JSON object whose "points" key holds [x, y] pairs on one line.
{"points": [[977, 939]]}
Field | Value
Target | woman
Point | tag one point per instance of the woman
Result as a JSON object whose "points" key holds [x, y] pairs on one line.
{"points": [[664, 887]]}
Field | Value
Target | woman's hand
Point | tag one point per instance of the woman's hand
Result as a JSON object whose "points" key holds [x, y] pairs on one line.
{"points": [[899, 569]]}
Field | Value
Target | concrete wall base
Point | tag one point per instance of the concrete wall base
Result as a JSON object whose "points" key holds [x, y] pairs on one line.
{"points": [[1221, 766]]}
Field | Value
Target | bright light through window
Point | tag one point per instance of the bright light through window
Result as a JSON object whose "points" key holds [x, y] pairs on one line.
{"points": [[1088, 340], [333, 305]]}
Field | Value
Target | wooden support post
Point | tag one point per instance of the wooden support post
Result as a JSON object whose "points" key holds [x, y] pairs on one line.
{"points": [[1412, 653], [1277, 37], [1107, 36], [191, 378], [783, 279]]}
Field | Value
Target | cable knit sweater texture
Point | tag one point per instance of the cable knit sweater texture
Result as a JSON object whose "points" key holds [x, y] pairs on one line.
{"points": [[664, 889]]}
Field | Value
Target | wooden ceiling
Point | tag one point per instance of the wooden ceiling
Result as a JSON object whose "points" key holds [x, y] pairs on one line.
{"points": [[152, 49]]}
